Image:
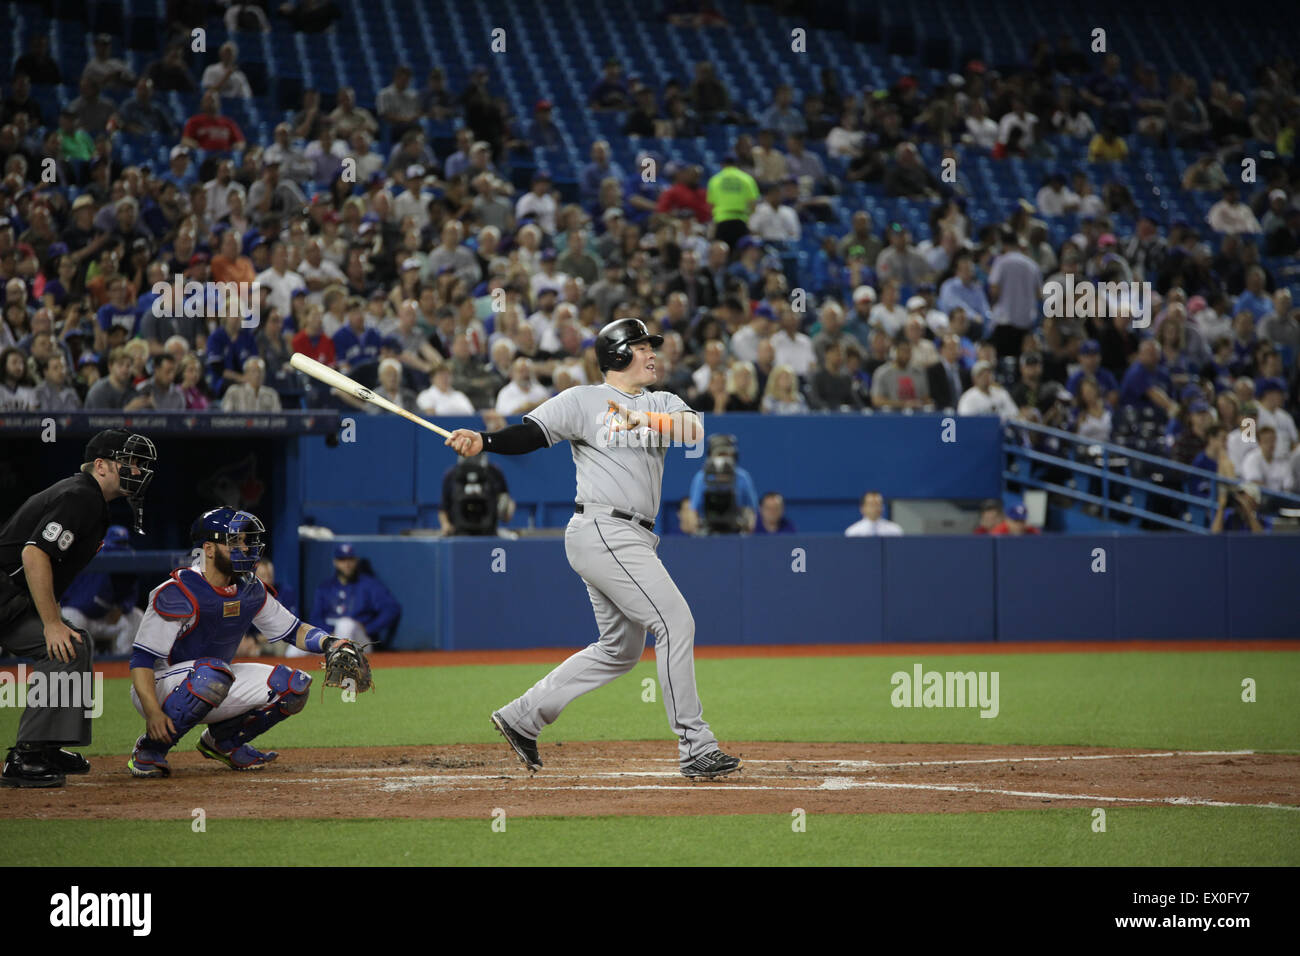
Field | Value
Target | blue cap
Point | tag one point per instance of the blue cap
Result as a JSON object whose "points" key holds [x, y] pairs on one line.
{"points": [[116, 537], [1090, 347], [391, 342], [1018, 513], [345, 551], [1199, 405], [1270, 385]]}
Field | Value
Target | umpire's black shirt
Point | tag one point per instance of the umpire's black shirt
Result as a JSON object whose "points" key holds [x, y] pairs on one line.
{"points": [[67, 521]]}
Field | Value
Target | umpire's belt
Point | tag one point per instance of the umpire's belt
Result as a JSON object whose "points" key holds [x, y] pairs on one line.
{"points": [[615, 513]]}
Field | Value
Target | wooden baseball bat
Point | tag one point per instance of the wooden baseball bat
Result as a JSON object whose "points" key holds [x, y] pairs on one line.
{"points": [[323, 373]]}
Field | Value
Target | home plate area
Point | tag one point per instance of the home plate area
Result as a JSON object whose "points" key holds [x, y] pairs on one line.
{"points": [[641, 777]]}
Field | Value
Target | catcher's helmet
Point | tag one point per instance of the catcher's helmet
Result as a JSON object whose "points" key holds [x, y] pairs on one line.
{"points": [[222, 524], [614, 344]]}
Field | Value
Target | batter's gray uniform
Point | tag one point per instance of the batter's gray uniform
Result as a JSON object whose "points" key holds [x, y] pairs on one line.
{"points": [[631, 591]]}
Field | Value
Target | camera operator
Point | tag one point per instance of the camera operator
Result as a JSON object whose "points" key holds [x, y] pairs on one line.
{"points": [[722, 493], [475, 499]]}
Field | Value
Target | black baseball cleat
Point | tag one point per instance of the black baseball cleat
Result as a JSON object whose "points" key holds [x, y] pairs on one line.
{"points": [[66, 760], [30, 768], [710, 765], [525, 748]]}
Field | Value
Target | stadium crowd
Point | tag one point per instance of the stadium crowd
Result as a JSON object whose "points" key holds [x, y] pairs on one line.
{"points": [[427, 275]]}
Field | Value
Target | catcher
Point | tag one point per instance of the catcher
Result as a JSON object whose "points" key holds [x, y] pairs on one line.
{"points": [[181, 670]]}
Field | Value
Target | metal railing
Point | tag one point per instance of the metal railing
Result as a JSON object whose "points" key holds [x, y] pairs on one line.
{"points": [[1110, 463]]}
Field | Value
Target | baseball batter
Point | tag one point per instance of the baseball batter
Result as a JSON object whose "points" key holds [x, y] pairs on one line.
{"points": [[619, 433]]}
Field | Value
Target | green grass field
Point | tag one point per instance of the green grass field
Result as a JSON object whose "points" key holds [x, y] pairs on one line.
{"points": [[1185, 701]]}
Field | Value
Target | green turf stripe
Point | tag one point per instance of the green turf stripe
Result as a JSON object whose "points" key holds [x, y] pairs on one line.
{"points": [[1186, 701], [1157, 836]]}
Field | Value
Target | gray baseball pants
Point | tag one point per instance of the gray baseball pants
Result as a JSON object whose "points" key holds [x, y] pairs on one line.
{"points": [[631, 593]]}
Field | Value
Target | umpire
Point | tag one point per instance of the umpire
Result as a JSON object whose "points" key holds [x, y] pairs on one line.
{"points": [[46, 544]]}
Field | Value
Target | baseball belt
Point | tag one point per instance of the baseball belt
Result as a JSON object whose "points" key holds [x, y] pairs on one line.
{"points": [[615, 513]]}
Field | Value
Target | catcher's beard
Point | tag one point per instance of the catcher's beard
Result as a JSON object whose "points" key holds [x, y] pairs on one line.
{"points": [[222, 564]]}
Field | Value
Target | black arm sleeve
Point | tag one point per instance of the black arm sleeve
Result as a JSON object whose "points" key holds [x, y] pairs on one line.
{"points": [[515, 439]]}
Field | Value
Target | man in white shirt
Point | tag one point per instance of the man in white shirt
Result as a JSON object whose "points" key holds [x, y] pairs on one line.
{"points": [[440, 400], [980, 129], [984, 397], [220, 189], [1055, 199], [1017, 118], [1231, 215], [715, 363], [1271, 392], [539, 203], [225, 76], [791, 346], [872, 507], [317, 271], [279, 280], [523, 393], [1265, 466], [773, 221], [251, 395]]}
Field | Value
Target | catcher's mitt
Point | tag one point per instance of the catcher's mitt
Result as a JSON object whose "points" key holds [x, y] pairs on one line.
{"points": [[345, 661]]}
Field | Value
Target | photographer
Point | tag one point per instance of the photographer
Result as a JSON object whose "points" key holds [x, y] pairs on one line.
{"points": [[722, 495], [475, 499]]}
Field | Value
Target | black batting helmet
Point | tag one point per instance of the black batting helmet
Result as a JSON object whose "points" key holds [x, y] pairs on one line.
{"points": [[614, 344]]}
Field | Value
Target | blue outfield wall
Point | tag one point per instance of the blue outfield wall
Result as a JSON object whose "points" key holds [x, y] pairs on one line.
{"points": [[483, 594], [389, 478]]}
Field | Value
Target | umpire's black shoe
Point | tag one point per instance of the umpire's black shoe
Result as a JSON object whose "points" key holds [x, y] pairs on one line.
{"points": [[67, 761], [30, 768], [525, 748], [710, 765]]}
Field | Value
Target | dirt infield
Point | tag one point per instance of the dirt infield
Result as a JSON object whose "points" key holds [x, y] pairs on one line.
{"points": [[641, 778]]}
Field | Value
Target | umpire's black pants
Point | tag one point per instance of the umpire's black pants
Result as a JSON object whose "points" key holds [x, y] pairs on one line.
{"points": [[23, 635]]}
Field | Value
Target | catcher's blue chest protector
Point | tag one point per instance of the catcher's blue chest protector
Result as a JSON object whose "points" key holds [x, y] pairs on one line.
{"points": [[222, 618]]}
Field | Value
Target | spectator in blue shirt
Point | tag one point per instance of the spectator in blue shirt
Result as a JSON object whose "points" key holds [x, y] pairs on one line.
{"points": [[1254, 298], [965, 290], [1090, 365], [353, 605], [354, 344], [771, 516], [229, 347], [1147, 384], [119, 310]]}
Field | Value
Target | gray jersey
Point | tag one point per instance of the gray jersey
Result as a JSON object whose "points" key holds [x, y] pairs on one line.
{"points": [[624, 472]]}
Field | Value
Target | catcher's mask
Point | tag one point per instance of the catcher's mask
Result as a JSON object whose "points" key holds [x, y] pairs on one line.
{"points": [[226, 526]]}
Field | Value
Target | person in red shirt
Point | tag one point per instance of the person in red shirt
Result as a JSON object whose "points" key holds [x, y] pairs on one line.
{"points": [[990, 516], [312, 341], [685, 193], [209, 130], [1017, 522]]}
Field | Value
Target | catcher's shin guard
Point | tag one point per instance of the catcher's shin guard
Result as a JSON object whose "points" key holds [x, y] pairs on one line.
{"points": [[288, 689], [194, 698]]}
